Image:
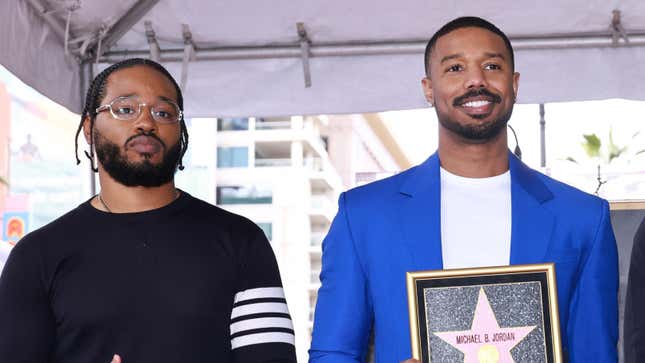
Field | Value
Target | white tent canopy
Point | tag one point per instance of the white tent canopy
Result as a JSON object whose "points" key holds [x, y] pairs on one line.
{"points": [[247, 58]]}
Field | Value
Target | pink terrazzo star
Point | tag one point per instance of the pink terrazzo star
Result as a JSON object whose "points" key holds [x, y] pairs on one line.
{"points": [[486, 341]]}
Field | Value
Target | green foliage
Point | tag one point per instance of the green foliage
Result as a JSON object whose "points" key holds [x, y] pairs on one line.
{"points": [[569, 158], [613, 149], [592, 145]]}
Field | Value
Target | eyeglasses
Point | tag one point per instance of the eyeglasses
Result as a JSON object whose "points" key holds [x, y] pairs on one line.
{"points": [[129, 109]]}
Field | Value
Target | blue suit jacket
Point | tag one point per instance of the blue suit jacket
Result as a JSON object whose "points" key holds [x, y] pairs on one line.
{"points": [[384, 229]]}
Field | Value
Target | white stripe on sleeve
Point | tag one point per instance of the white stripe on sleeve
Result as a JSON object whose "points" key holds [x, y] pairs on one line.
{"points": [[259, 293], [261, 338], [259, 308], [260, 323]]}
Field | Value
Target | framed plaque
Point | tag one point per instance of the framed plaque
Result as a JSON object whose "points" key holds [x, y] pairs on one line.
{"points": [[489, 314]]}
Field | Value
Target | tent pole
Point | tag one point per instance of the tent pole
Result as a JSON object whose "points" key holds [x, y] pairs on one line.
{"points": [[205, 51], [86, 75], [542, 137], [125, 23], [54, 24], [305, 42]]}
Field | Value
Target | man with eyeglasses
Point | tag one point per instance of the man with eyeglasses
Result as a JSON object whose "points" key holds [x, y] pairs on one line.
{"points": [[142, 272]]}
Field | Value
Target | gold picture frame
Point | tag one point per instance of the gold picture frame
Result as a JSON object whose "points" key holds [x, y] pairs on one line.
{"points": [[459, 318]]}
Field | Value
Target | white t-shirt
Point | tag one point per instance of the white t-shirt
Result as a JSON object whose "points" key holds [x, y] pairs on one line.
{"points": [[475, 220]]}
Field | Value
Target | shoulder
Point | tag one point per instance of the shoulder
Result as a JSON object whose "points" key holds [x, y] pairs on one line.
{"points": [[75, 221], [380, 189], [562, 199], [44, 243], [568, 197], [574, 210], [219, 219]]}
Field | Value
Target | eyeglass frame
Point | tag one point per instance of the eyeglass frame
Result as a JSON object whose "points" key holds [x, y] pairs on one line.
{"points": [[108, 106]]}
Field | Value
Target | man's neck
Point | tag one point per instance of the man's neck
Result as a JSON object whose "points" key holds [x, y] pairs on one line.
{"points": [[118, 198], [473, 160]]}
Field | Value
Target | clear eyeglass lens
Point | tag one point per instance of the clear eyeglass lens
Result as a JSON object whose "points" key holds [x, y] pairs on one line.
{"points": [[165, 112], [129, 109], [125, 109]]}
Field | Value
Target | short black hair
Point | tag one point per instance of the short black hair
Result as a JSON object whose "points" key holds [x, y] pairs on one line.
{"points": [[465, 22], [95, 95]]}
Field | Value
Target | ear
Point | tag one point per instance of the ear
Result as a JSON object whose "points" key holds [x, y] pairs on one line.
{"points": [[516, 84], [87, 126], [426, 84]]}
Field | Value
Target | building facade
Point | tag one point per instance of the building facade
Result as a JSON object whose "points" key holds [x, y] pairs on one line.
{"points": [[286, 174]]}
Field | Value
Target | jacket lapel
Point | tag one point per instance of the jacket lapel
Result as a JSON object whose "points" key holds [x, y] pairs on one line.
{"points": [[420, 216], [531, 224]]}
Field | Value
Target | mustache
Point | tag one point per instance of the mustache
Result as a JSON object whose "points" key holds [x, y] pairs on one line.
{"points": [[148, 134], [476, 93]]}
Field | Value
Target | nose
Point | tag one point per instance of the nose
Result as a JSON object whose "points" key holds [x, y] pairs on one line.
{"points": [[145, 122], [475, 78]]}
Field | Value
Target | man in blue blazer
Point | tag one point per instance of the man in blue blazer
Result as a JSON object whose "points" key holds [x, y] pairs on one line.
{"points": [[472, 203]]}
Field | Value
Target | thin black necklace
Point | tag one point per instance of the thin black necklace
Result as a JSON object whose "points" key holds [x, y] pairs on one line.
{"points": [[110, 210], [104, 204]]}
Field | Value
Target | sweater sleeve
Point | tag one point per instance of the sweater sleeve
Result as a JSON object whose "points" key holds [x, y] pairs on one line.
{"points": [[27, 327], [261, 327]]}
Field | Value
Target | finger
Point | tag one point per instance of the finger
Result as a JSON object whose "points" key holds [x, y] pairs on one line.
{"points": [[116, 359], [411, 361]]}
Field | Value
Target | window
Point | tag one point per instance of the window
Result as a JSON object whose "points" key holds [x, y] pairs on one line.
{"points": [[233, 124], [232, 157], [244, 195], [267, 228]]}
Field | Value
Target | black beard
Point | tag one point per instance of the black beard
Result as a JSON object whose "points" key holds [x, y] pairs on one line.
{"points": [[145, 173], [476, 134]]}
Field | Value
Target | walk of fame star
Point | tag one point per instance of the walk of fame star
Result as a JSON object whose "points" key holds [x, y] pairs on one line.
{"points": [[486, 342]]}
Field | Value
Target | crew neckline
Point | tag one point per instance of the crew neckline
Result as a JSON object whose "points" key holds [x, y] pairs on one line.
{"points": [[448, 176], [174, 205]]}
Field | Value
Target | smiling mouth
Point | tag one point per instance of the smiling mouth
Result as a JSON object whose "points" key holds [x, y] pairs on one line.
{"points": [[477, 108], [476, 104]]}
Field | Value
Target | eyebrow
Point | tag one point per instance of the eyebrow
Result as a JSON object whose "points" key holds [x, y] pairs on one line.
{"points": [[495, 55], [127, 95], [452, 56], [459, 55], [163, 98]]}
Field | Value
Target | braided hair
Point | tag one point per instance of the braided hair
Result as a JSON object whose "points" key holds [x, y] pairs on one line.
{"points": [[95, 95]]}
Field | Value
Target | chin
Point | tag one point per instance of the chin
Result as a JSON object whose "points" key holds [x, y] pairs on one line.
{"points": [[145, 159]]}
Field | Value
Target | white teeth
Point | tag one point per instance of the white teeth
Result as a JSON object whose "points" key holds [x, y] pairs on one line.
{"points": [[476, 103]]}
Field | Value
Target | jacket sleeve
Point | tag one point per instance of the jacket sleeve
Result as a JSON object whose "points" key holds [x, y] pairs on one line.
{"points": [[27, 326], [593, 326], [634, 337], [344, 313]]}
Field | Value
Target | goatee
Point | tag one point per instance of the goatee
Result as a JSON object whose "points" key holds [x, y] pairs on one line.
{"points": [[132, 174], [479, 133]]}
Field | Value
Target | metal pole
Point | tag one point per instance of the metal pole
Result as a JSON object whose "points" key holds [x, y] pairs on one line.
{"points": [[542, 137], [209, 52], [86, 75]]}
